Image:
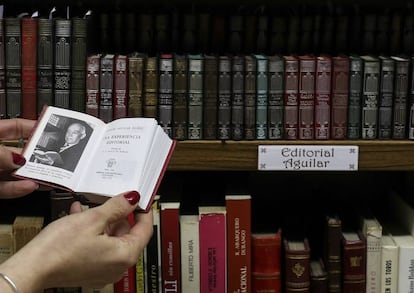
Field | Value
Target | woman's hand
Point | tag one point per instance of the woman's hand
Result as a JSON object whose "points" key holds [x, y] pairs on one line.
{"points": [[11, 158], [90, 248]]}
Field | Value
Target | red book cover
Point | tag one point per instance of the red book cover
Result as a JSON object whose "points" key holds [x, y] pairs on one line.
{"points": [[290, 96], [269, 283], [297, 265], [239, 256], [128, 282], [306, 96], [213, 250], [323, 97], [29, 68], [93, 65], [340, 92], [120, 87], [354, 262], [170, 247]]}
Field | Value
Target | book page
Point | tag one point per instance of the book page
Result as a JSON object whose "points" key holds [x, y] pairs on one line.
{"points": [[59, 145]]}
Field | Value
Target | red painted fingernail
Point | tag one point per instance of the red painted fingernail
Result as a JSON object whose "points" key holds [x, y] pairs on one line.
{"points": [[132, 197], [18, 159]]}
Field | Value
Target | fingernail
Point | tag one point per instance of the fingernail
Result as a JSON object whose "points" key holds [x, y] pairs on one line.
{"points": [[132, 197], [18, 159]]}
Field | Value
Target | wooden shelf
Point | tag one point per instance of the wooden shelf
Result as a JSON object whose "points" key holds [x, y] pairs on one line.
{"points": [[204, 155]]}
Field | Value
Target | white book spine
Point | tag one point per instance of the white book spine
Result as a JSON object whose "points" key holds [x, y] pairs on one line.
{"points": [[389, 266], [373, 265], [405, 263]]}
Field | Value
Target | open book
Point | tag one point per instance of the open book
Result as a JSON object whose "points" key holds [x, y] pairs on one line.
{"points": [[80, 153]]}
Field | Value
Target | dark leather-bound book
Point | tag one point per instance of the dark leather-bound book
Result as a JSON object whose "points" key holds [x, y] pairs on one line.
{"points": [[293, 34], [130, 32], [29, 67], [291, 96], [262, 34], [262, 64], [162, 37], [319, 277], [150, 90], [250, 69], [219, 33], [340, 96], [78, 65], [382, 35], [93, 65], [210, 96], [368, 33], [278, 34], [297, 265], [306, 28], [165, 92], [106, 87], [136, 66], [401, 87], [204, 32], [224, 96], [145, 33], [353, 262], [306, 99], [408, 33], [236, 34], [195, 96], [395, 35], [370, 96], [180, 107], [13, 43], [189, 32], [62, 62], [3, 110], [355, 97], [44, 63], [341, 33], [323, 76], [332, 249], [120, 102], [386, 92], [237, 97], [275, 99], [410, 105]]}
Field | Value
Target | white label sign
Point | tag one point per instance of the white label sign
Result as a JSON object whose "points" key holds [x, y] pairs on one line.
{"points": [[307, 158]]}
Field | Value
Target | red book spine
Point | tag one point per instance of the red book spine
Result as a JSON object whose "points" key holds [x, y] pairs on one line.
{"points": [[29, 68], [239, 256], [92, 84], [170, 247], [290, 96], [323, 97], [354, 262], [297, 266], [269, 283], [120, 87], [213, 249], [306, 96], [127, 284], [340, 92]]}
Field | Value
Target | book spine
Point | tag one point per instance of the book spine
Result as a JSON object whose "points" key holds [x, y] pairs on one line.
{"points": [[323, 77], [261, 96], [354, 265], [411, 102], [249, 97], [340, 97], [136, 65], [386, 97], [180, 107], [165, 93], [140, 272], [355, 97], [213, 250], [44, 63], [306, 96], [319, 277], [93, 65], [389, 266], [297, 267], [3, 102], [373, 235], [237, 97], [239, 252], [291, 96], [78, 65], [120, 103], [370, 79], [150, 95], [275, 100], [263, 282], [195, 96], [401, 83], [106, 82], [332, 252], [210, 97], [62, 62], [29, 67], [224, 97], [13, 42]]}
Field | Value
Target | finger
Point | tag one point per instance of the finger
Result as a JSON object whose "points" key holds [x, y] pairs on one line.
{"points": [[10, 160], [16, 128], [75, 207], [18, 188], [142, 229]]}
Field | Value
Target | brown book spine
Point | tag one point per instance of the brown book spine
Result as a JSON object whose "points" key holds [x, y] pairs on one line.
{"points": [[93, 64], [323, 77], [106, 82], [120, 87], [297, 265], [165, 92], [332, 252], [386, 97], [290, 96], [353, 262], [250, 97], [136, 65], [29, 68], [180, 107], [3, 110], [210, 97], [340, 93], [306, 96], [150, 95]]}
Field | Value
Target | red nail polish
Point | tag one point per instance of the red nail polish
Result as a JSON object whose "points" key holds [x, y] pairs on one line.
{"points": [[132, 197], [18, 159]]}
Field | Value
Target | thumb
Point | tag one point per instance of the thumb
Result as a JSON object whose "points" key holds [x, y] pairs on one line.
{"points": [[120, 206]]}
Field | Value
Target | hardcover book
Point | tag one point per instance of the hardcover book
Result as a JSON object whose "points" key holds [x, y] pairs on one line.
{"points": [[120, 102], [165, 92], [410, 105], [3, 110], [319, 277], [306, 99], [210, 96], [354, 262], [150, 90], [340, 96], [297, 265], [6, 241], [195, 96], [291, 97], [213, 249], [224, 97], [323, 76], [239, 248], [332, 251], [401, 87], [275, 97], [249, 97], [125, 151], [389, 264], [262, 64], [180, 107], [93, 68], [136, 65], [405, 242], [106, 87], [236, 86], [355, 97], [386, 97]]}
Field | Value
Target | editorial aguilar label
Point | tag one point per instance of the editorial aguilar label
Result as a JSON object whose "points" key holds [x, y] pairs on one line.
{"points": [[307, 158]]}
